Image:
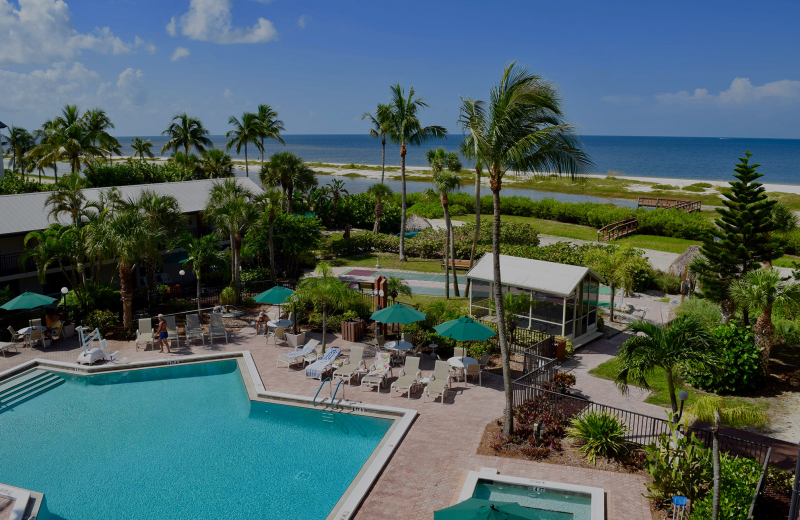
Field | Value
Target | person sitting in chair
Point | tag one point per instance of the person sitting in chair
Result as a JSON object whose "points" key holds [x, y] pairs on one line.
{"points": [[262, 319]]}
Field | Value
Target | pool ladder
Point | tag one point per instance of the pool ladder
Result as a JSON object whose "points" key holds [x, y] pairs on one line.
{"points": [[331, 391]]}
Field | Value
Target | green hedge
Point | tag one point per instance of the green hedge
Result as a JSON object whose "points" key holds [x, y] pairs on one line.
{"points": [[12, 184], [740, 370], [125, 174]]}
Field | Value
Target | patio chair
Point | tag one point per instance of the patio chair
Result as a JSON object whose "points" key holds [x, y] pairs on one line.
{"points": [[408, 337], [297, 356], [473, 370], [409, 378], [55, 330], [378, 373], [277, 333], [193, 328], [439, 381], [145, 333], [355, 363], [5, 345], [172, 330], [484, 360], [35, 323], [217, 327], [17, 337], [321, 366], [459, 352], [36, 335]]}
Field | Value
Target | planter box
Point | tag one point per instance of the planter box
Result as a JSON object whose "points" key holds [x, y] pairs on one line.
{"points": [[68, 330], [561, 349], [353, 330], [296, 340]]}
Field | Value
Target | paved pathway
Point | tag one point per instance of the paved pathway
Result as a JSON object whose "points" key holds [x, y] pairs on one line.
{"points": [[427, 471]]}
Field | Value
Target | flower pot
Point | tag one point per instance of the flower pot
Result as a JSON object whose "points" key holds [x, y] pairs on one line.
{"points": [[68, 330], [352, 330], [295, 340], [561, 349]]}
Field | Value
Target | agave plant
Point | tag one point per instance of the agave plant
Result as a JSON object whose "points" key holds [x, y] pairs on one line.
{"points": [[602, 434]]}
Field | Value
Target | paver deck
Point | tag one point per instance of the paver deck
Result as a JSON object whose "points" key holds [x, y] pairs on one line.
{"points": [[426, 472]]}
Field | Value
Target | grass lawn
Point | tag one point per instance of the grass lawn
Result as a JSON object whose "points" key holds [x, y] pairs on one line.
{"points": [[786, 261], [388, 261], [668, 244]]}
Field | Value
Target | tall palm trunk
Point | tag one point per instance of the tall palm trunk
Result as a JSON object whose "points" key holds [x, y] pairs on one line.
{"points": [[613, 293], [403, 202], [477, 223], [246, 166], [727, 308], [764, 331], [456, 292], [150, 273], [237, 237], [126, 294], [383, 157], [671, 388], [290, 194], [271, 245], [450, 243], [198, 292], [717, 470], [446, 263], [378, 213], [324, 325], [262, 154], [508, 420]]}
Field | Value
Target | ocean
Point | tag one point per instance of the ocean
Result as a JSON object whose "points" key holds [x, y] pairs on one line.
{"points": [[706, 158]]}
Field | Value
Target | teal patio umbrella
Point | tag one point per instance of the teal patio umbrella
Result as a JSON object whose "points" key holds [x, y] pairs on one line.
{"points": [[275, 296], [464, 329], [27, 300], [398, 313], [477, 509]]}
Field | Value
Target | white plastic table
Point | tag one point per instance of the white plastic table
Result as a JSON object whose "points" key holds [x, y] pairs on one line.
{"points": [[27, 330], [400, 347], [280, 323], [461, 362]]}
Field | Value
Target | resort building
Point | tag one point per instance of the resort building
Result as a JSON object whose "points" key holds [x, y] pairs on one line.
{"points": [[563, 298]]}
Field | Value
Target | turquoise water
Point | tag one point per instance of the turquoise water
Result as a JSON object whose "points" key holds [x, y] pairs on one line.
{"points": [[179, 442], [550, 505]]}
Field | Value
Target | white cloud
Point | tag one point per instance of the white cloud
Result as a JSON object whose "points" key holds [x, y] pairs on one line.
{"points": [[301, 22], [741, 92], [171, 29], [227, 94], [147, 46], [131, 87], [61, 83], [211, 21], [180, 52], [41, 31]]}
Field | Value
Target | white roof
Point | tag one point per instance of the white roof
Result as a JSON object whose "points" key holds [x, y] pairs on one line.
{"points": [[534, 275], [25, 212]]}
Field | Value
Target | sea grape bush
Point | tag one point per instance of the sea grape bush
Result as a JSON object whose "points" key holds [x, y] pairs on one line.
{"points": [[740, 367]]}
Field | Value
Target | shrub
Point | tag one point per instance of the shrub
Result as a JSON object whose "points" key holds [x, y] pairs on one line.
{"points": [[253, 274], [738, 480], [739, 370], [705, 310], [249, 301], [179, 305], [601, 433], [12, 184], [664, 187], [601, 324], [102, 319], [228, 296], [697, 188], [475, 349], [569, 349], [787, 332], [124, 174], [561, 384], [667, 283], [427, 210]]}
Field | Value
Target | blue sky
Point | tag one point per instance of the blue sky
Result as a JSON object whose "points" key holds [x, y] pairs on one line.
{"points": [[625, 68]]}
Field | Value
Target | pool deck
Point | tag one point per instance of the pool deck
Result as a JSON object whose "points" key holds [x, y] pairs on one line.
{"points": [[428, 470]]}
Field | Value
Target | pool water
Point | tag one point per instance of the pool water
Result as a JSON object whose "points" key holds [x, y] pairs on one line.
{"points": [[180, 442], [549, 504]]}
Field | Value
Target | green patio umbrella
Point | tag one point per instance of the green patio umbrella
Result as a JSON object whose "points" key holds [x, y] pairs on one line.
{"points": [[464, 329], [398, 313], [275, 296], [477, 509], [28, 300]]}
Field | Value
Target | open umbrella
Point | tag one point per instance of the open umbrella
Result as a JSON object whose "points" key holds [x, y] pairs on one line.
{"points": [[275, 296], [477, 509], [398, 313], [27, 300], [464, 329]]}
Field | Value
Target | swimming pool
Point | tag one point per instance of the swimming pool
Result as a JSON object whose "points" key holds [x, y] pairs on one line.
{"points": [[181, 441]]}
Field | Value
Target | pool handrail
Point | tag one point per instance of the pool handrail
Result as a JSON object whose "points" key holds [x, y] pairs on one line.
{"points": [[326, 380], [336, 391]]}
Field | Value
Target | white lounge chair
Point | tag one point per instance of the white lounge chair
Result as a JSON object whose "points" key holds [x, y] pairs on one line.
{"points": [[293, 358], [145, 333], [217, 327], [17, 338], [354, 365], [172, 330], [439, 381], [409, 378], [4, 345], [322, 365], [193, 328], [379, 372]]}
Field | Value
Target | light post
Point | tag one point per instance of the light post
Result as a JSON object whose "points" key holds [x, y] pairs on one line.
{"points": [[683, 395], [181, 272], [65, 291]]}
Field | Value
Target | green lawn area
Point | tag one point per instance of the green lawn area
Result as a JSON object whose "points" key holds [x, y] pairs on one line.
{"points": [[786, 261], [388, 261], [668, 244]]}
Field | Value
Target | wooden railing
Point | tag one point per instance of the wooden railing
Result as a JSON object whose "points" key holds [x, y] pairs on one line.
{"points": [[618, 229], [689, 206]]}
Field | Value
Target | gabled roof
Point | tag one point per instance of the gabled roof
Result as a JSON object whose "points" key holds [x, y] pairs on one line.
{"points": [[3, 125], [25, 212], [534, 275]]}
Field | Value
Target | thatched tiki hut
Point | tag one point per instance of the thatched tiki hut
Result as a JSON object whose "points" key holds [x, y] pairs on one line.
{"points": [[679, 266], [417, 223]]}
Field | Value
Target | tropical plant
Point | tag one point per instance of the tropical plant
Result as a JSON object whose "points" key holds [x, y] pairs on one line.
{"points": [[326, 290], [513, 304], [739, 476], [247, 131], [78, 139], [381, 122], [715, 410], [288, 171], [705, 310], [202, 253], [98, 124], [615, 267], [230, 210], [600, 433], [141, 148], [446, 183], [186, 132], [379, 193], [335, 189], [270, 202], [783, 217], [67, 198], [521, 129], [396, 286], [683, 343], [216, 164], [102, 319], [761, 291], [20, 142], [269, 126], [188, 162], [228, 296], [469, 151], [739, 369], [407, 130]]}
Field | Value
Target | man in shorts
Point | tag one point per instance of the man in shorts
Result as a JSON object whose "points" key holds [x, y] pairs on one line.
{"points": [[161, 334]]}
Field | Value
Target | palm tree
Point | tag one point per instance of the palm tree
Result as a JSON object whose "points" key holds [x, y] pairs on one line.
{"points": [[270, 202], [46, 135], [21, 142], [514, 304], [381, 123], [202, 253], [231, 212], [470, 153], [288, 171], [379, 193], [189, 162], [396, 286], [521, 129], [247, 131], [270, 127], [186, 132], [141, 148], [79, 139], [761, 291], [216, 163], [335, 188], [684, 342], [97, 124], [46, 252], [406, 129], [67, 198], [446, 183], [614, 267], [716, 410], [327, 290]]}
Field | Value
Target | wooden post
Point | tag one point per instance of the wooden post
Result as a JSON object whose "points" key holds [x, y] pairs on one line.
{"points": [[683, 285], [381, 299]]}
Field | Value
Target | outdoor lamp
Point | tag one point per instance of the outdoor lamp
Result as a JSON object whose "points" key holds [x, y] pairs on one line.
{"points": [[65, 291], [683, 395], [181, 272]]}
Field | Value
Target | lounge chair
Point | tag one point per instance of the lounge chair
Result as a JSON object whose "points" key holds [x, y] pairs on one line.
{"points": [[314, 355], [292, 358], [15, 337], [439, 381], [276, 333], [355, 363], [145, 333], [193, 328], [172, 330], [5, 345], [409, 377], [378, 373], [473, 370], [217, 327], [321, 366]]}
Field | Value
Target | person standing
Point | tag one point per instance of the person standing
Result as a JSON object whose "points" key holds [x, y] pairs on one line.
{"points": [[161, 333]]}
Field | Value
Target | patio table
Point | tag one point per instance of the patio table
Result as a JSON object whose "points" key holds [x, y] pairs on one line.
{"points": [[400, 347], [280, 323], [461, 362]]}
